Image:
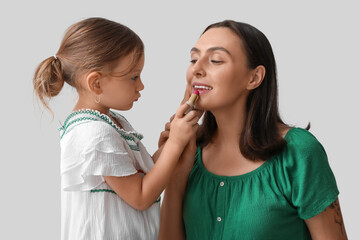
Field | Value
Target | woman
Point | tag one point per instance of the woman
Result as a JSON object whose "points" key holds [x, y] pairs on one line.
{"points": [[254, 177]]}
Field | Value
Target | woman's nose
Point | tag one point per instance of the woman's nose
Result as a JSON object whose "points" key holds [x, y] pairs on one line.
{"points": [[198, 69]]}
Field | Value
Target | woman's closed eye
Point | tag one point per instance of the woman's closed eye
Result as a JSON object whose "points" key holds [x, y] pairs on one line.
{"points": [[216, 61], [193, 61], [135, 78]]}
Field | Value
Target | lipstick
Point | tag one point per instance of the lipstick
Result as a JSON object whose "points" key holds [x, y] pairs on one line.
{"points": [[192, 100]]}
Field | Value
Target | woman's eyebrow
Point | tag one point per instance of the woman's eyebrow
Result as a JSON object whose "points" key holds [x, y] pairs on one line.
{"points": [[212, 49]]}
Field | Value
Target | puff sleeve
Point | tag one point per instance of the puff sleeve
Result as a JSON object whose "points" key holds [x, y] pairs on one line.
{"points": [[99, 151], [311, 182]]}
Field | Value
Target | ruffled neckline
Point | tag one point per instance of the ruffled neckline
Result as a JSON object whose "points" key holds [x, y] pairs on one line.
{"points": [[242, 176], [90, 114]]}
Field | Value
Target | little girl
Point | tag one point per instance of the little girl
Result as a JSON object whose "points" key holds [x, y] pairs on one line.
{"points": [[110, 184]]}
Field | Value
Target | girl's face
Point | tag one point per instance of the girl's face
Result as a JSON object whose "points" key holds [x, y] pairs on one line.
{"points": [[120, 91], [218, 69]]}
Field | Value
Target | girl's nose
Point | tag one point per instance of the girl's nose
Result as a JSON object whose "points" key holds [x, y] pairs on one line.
{"points": [[140, 85]]}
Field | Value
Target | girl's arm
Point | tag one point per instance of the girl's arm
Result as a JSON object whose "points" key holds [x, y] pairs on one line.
{"points": [[165, 134], [141, 192], [162, 140], [157, 154], [171, 222], [328, 224]]}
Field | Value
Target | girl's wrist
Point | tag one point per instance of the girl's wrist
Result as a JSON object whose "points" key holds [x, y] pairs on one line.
{"points": [[176, 146]]}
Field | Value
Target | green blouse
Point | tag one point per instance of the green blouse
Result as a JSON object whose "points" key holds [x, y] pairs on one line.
{"points": [[270, 202]]}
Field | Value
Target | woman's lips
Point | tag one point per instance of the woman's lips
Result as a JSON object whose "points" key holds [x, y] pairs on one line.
{"points": [[202, 88]]}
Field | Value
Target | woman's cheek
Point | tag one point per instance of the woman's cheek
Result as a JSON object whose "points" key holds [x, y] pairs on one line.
{"points": [[188, 79]]}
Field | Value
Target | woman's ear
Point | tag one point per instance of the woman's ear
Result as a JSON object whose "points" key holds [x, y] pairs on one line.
{"points": [[257, 77], [93, 81]]}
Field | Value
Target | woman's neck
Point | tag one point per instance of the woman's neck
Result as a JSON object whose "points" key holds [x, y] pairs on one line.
{"points": [[222, 156], [230, 122]]}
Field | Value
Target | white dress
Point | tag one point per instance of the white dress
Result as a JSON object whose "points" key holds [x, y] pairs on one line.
{"points": [[93, 146]]}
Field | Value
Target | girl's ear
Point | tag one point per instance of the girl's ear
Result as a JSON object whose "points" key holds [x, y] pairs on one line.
{"points": [[257, 77], [93, 82]]}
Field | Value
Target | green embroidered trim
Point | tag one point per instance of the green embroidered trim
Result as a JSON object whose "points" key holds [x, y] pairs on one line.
{"points": [[64, 128], [111, 191], [138, 136], [134, 147], [102, 190], [115, 115], [103, 117]]}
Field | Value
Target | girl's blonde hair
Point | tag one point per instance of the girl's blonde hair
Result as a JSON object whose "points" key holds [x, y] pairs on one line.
{"points": [[88, 45]]}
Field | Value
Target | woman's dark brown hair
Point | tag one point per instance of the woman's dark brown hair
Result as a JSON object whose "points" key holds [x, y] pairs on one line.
{"points": [[260, 137], [88, 45]]}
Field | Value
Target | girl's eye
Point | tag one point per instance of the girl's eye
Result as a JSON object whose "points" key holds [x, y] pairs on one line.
{"points": [[135, 78], [193, 61], [216, 61]]}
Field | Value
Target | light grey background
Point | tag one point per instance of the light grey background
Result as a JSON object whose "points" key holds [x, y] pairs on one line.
{"points": [[316, 45]]}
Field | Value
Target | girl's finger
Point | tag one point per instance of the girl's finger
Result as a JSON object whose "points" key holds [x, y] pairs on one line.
{"points": [[199, 112], [172, 117], [167, 126], [194, 120], [181, 110], [187, 93], [190, 115]]}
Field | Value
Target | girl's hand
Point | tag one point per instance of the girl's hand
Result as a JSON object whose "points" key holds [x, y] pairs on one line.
{"points": [[183, 127], [171, 226], [164, 135], [187, 93]]}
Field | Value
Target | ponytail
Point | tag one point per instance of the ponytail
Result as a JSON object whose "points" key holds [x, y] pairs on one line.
{"points": [[88, 45], [48, 80]]}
